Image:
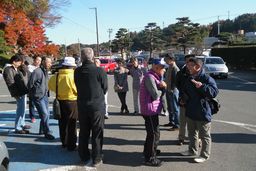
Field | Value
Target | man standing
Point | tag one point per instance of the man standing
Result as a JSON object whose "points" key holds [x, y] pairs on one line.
{"points": [[38, 91], [36, 63], [199, 87], [182, 75], [16, 82], [91, 83], [172, 93], [151, 106]]}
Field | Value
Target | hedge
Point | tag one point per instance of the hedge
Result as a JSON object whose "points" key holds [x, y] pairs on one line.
{"points": [[237, 57]]}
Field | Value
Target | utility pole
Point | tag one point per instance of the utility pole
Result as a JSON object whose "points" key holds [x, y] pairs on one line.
{"points": [[97, 32], [79, 48], [218, 25], [109, 36], [228, 15]]}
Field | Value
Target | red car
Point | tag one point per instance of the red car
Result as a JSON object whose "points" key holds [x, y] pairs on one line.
{"points": [[109, 65]]}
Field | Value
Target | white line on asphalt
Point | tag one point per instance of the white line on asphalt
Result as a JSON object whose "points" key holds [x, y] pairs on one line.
{"points": [[5, 95], [70, 168], [2, 124], [243, 125], [241, 79]]}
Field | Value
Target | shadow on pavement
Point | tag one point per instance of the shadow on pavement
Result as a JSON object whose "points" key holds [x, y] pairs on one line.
{"points": [[237, 138]]}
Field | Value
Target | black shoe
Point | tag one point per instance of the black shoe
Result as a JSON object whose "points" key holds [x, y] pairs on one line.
{"points": [[174, 128], [168, 124], [49, 136], [158, 152], [21, 132], [127, 112], [153, 162]]}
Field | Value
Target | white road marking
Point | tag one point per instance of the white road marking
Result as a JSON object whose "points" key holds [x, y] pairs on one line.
{"points": [[69, 168], [2, 124], [243, 80], [5, 96], [243, 125]]}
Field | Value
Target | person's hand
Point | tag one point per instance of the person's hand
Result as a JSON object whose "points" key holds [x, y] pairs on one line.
{"points": [[162, 84], [198, 84]]}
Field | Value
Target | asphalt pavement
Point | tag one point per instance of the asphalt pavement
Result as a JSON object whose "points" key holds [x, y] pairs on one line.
{"points": [[233, 136]]}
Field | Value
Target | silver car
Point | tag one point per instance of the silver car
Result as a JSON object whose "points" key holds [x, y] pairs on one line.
{"points": [[214, 66], [4, 157]]}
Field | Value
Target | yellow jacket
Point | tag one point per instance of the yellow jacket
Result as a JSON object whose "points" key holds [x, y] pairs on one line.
{"points": [[66, 85]]}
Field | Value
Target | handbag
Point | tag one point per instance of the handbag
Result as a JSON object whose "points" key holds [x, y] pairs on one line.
{"points": [[56, 104], [117, 88]]}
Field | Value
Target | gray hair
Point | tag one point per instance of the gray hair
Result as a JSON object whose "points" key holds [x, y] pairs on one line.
{"points": [[87, 54]]}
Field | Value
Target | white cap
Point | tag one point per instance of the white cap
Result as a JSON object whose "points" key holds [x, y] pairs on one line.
{"points": [[69, 61]]}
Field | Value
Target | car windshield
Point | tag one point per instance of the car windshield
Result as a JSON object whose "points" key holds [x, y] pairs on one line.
{"points": [[104, 61], [179, 57], [214, 61]]}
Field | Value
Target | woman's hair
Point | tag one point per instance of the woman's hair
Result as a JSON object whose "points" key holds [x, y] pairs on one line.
{"points": [[16, 58]]}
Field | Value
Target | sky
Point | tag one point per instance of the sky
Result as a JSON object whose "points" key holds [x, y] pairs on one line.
{"points": [[79, 22]]}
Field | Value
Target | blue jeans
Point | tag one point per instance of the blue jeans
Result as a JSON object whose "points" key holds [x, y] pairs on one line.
{"points": [[31, 109], [173, 108], [20, 112], [42, 107]]}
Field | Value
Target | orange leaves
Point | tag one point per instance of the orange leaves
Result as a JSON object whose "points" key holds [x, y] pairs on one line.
{"points": [[24, 34]]}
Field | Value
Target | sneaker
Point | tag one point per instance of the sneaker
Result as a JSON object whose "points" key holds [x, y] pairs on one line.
{"points": [[26, 127], [188, 153], [97, 163], [106, 116], [21, 132], [33, 120], [49, 136], [200, 159], [153, 162], [168, 124], [127, 112]]}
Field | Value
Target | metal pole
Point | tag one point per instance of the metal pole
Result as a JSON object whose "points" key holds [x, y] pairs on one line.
{"points": [[97, 33], [218, 25]]}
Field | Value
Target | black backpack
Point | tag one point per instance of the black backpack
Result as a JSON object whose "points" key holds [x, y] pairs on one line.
{"points": [[214, 105]]}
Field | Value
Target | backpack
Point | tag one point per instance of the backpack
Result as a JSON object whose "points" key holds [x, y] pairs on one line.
{"points": [[215, 105]]}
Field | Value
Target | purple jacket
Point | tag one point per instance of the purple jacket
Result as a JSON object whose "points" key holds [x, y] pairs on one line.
{"points": [[150, 102]]}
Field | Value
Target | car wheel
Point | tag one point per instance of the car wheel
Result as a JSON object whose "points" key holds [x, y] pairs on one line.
{"points": [[2, 168]]}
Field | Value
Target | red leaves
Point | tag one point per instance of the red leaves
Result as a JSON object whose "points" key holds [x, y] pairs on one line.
{"points": [[24, 34]]}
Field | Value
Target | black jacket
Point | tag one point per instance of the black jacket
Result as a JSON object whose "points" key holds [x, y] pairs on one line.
{"points": [[92, 84], [15, 81]]}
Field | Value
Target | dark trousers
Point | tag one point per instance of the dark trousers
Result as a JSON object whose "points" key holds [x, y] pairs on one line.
{"points": [[67, 123], [122, 97], [31, 109], [90, 121], [152, 138]]}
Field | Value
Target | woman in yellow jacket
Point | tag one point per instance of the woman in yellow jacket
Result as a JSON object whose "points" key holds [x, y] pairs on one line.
{"points": [[67, 96]]}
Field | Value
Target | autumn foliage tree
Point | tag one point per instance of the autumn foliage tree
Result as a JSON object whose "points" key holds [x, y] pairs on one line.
{"points": [[23, 30]]}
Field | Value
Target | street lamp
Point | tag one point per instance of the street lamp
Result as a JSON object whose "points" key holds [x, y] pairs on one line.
{"points": [[97, 33]]}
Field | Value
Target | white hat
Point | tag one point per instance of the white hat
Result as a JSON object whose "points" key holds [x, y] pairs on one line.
{"points": [[69, 61]]}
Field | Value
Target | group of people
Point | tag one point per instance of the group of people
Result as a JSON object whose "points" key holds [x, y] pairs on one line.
{"points": [[82, 93]]}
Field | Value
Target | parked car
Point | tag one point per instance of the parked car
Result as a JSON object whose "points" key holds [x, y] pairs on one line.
{"points": [[180, 60], [109, 65], [56, 66], [214, 66], [4, 157]]}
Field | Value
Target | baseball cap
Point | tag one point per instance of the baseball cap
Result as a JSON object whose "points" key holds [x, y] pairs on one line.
{"points": [[160, 62]]}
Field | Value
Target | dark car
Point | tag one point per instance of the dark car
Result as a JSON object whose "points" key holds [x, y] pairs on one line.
{"points": [[180, 60], [56, 66]]}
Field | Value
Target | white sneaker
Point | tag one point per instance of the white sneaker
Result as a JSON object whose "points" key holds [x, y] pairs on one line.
{"points": [[188, 153], [106, 116], [200, 159]]}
